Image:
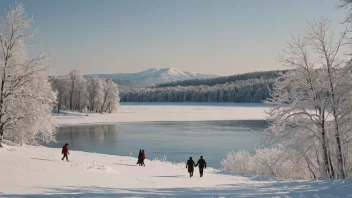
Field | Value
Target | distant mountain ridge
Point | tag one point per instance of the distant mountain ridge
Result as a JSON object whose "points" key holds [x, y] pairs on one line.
{"points": [[155, 76]]}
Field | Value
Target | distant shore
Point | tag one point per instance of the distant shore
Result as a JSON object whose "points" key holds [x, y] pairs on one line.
{"points": [[225, 104], [176, 112]]}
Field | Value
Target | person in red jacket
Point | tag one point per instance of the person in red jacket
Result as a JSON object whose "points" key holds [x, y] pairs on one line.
{"points": [[65, 152], [143, 158]]}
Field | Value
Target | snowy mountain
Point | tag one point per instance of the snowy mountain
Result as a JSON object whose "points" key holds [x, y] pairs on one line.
{"points": [[156, 75]]}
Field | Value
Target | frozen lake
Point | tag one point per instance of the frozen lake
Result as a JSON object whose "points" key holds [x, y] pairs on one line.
{"points": [[152, 112], [177, 140]]}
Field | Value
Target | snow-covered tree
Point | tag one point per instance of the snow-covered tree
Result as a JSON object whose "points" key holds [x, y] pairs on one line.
{"points": [[333, 62], [75, 78], [95, 93], [26, 97], [111, 97], [311, 113], [60, 85], [309, 101], [80, 95]]}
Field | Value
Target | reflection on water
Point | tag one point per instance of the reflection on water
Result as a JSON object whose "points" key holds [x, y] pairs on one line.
{"points": [[87, 137], [99, 133], [175, 140]]}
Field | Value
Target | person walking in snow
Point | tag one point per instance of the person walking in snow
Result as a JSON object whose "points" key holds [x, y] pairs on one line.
{"points": [[65, 152], [190, 165], [139, 162], [202, 165], [143, 158]]}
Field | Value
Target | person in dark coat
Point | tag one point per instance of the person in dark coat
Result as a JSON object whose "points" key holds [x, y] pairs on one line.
{"points": [[65, 152], [139, 162], [202, 165], [143, 158], [190, 165]]}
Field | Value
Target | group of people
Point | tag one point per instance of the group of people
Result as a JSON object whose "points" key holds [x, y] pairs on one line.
{"points": [[201, 163], [141, 158]]}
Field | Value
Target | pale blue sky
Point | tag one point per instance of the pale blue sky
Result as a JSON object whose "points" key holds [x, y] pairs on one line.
{"points": [[208, 36]]}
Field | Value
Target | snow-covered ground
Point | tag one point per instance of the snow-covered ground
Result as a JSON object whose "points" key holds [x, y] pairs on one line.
{"points": [[39, 172], [140, 113]]}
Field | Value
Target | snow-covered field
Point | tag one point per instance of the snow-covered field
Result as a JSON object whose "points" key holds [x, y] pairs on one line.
{"points": [[39, 172], [140, 113]]}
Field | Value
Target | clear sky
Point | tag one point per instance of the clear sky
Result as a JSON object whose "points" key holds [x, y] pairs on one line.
{"points": [[208, 36]]}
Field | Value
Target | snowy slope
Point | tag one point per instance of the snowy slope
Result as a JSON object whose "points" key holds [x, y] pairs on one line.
{"points": [[156, 75], [39, 172]]}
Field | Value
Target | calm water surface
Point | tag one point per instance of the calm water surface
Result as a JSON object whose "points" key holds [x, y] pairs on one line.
{"points": [[175, 140]]}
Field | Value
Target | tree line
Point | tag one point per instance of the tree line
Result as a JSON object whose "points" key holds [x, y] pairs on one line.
{"points": [[74, 92], [243, 91], [266, 75]]}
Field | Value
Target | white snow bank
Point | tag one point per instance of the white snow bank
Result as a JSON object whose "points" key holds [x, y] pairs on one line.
{"points": [[140, 113], [39, 172]]}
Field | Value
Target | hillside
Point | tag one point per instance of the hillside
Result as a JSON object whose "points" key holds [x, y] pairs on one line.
{"points": [[243, 88], [129, 84], [224, 79], [155, 76]]}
